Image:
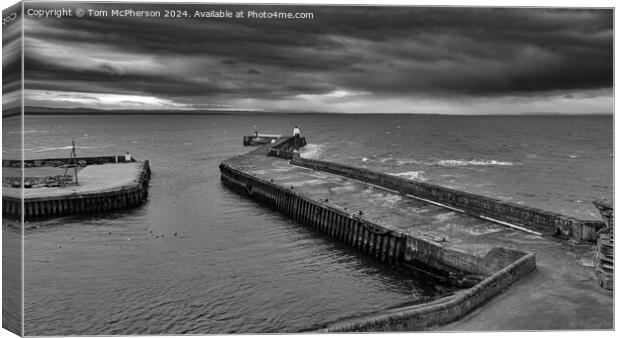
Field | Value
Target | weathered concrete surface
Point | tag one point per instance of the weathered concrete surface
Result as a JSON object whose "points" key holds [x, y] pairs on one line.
{"points": [[92, 179], [561, 294]]}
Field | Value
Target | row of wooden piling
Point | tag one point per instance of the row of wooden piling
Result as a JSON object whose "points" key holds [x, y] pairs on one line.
{"points": [[41, 208], [372, 239]]}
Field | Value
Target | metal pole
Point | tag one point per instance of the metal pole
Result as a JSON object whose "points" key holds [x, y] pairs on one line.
{"points": [[62, 182], [75, 161]]}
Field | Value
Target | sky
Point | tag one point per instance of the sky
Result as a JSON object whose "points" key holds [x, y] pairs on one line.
{"points": [[435, 60]]}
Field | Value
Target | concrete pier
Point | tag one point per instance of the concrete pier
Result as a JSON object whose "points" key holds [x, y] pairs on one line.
{"points": [[106, 184], [482, 257]]}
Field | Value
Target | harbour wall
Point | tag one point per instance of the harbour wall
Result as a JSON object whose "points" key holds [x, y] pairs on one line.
{"points": [[386, 245], [480, 206], [383, 244], [37, 208], [499, 268]]}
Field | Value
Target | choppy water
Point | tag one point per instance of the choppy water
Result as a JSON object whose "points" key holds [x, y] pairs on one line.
{"points": [[237, 267], [555, 163]]}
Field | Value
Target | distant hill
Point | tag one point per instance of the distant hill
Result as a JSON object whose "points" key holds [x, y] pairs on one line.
{"points": [[34, 110]]}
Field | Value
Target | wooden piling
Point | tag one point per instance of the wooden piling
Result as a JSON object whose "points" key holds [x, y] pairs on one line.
{"points": [[338, 224]]}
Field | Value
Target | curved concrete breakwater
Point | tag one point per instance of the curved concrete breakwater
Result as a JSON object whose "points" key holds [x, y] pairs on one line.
{"points": [[357, 214], [106, 183], [535, 220]]}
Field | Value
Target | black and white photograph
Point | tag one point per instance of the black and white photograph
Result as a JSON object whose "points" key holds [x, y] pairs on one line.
{"points": [[205, 168]]}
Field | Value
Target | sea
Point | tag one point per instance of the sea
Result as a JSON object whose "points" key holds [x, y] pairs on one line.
{"points": [[198, 258]]}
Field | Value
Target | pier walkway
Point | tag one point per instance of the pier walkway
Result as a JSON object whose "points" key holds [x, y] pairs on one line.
{"points": [[105, 184], [562, 293], [93, 179]]}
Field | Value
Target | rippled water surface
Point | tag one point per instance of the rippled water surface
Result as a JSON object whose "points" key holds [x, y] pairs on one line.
{"points": [[234, 266]]}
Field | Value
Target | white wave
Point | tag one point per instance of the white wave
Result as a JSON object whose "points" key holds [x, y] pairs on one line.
{"points": [[312, 151], [411, 175], [364, 159], [404, 162], [461, 163]]}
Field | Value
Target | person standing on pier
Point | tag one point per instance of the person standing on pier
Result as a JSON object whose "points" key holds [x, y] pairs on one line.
{"points": [[296, 131]]}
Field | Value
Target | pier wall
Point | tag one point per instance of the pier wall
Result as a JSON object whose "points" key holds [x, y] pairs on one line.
{"points": [[441, 311], [497, 270], [455, 263], [389, 246], [44, 207], [383, 244], [476, 205]]}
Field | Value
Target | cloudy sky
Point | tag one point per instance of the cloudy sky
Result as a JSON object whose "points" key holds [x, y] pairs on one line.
{"points": [[346, 59]]}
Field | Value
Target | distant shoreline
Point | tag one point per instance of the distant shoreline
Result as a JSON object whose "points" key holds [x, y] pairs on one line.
{"points": [[36, 111]]}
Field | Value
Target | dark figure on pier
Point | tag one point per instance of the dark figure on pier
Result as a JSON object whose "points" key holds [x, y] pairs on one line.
{"points": [[296, 131]]}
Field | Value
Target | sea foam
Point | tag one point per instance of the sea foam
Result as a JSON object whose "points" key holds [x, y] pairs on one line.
{"points": [[411, 175], [461, 163], [312, 151]]}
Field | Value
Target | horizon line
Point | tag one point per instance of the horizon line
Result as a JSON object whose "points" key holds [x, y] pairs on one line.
{"points": [[198, 111]]}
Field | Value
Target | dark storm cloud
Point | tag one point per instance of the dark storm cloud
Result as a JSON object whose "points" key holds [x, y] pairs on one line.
{"points": [[383, 51], [107, 79]]}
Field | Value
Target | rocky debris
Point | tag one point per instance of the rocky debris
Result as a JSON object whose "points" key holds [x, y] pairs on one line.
{"points": [[604, 257], [54, 163], [37, 182], [63, 164]]}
